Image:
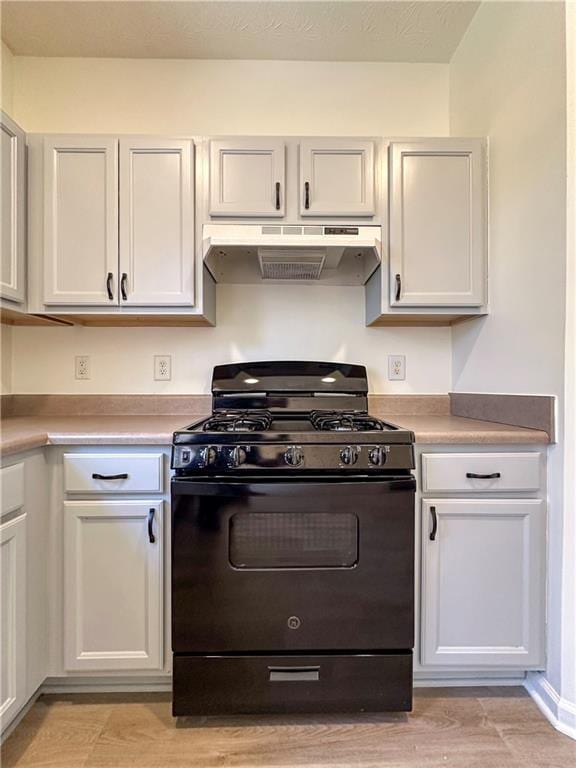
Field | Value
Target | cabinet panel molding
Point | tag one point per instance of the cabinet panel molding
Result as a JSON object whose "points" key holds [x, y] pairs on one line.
{"points": [[113, 610], [481, 472], [483, 582], [247, 177], [13, 240], [437, 223], [156, 222], [336, 177], [80, 220], [12, 618]]}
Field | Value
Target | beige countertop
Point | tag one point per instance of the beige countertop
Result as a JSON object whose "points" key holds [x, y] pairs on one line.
{"points": [[23, 433]]}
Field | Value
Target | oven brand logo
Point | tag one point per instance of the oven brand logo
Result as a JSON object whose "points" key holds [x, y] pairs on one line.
{"points": [[294, 622]]}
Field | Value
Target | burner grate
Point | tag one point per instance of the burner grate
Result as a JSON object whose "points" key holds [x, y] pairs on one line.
{"points": [[239, 421], [345, 421]]}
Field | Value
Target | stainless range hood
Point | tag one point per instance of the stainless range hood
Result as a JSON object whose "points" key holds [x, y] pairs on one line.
{"points": [[326, 254]]}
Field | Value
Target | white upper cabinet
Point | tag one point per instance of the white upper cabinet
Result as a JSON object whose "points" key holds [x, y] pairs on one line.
{"points": [[483, 582], [336, 177], [13, 236], [80, 220], [437, 223], [247, 177], [113, 611], [156, 222]]}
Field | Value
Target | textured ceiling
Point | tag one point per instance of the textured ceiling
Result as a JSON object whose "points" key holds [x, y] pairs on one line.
{"points": [[305, 30]]}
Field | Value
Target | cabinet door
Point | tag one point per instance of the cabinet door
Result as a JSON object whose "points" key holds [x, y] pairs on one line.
{"points": [[113, 613], [80, 220], [483, 582], [12, 618], [437, 223], [156, 222], [336, 177], [247, 177], [13, 238]]}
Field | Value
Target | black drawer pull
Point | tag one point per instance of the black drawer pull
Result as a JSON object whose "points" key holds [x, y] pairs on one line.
{"points": [[151, 536], [398, 287], [474, 476], [434, 524], [123, 289], [307, 195], [277, 195], [98, 476], [293, 674], [109, 286]]}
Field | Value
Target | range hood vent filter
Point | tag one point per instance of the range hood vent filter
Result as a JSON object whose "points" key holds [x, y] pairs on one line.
{"points": [[288, 264]]}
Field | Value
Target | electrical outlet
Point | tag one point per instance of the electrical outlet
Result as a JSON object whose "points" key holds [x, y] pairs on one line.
{"points": [[82, 367], [396, 367], [162, 367]]}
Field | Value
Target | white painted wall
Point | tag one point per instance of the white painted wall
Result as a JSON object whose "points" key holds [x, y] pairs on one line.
{"points": [[508, 82], [5, 359], [569, 528], [208, 97], [6, 78], [254, 322], [204, 97]]}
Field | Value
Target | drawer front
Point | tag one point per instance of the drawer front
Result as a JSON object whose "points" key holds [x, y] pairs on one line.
{"points": [[12, 483], [480, 472], [229, 685], [113, 473]]}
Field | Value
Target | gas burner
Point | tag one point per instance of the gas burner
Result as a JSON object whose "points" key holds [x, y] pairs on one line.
{"points": [[345, 421], [238, 421]]}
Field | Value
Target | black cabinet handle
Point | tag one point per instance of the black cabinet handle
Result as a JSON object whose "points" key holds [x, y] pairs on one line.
{"points": [[151, 536], [492, 476], [307, 195], [434, 524], [277, 195], [123, 286], [109, 285], [98, 476], [398, 287]]}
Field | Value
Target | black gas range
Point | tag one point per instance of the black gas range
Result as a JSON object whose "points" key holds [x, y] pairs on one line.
{"points": [[292, 547]]}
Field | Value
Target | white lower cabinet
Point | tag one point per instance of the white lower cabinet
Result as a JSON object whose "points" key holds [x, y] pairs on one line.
{"points": [[482, 601], [12, 618], [113, 598]]}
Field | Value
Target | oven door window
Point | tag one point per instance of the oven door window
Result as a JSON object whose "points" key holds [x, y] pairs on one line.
{"points": [[293, 540]]}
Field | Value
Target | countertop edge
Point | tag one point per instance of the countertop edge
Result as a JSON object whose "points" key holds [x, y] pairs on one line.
{"points": [[14, 445]]}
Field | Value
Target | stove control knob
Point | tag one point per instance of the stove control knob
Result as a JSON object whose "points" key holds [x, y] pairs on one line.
{"points": [[349, 455], [207, 456], [293, 456], [236, 456], [377, 456]]}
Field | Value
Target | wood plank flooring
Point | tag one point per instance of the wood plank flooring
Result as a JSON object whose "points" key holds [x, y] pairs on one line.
{"points": [[457, 728]]}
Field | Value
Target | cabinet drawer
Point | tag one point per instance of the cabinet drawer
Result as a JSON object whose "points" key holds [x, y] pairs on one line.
{"points": [[12, 483], [113, 473], [480, 472]]}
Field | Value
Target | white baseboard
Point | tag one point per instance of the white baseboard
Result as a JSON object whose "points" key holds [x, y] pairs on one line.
{"points": [[108, 685], [560, 712], [20, 716]]}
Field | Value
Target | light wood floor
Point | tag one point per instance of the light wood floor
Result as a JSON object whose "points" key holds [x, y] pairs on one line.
{"points": [[457, 728]]}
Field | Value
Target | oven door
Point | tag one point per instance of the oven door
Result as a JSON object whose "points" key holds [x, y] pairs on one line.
{"points": [[285, 564]]}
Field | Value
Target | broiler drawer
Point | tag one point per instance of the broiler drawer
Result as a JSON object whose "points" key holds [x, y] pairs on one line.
{"points": [[220, 685]]}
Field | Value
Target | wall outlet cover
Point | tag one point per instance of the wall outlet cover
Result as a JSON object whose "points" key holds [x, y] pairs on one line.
{"points": [[82, 367], [162, 367], [396, 367]]}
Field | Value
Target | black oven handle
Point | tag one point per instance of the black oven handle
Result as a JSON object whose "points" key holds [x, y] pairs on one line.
{"points": [[250, 485]]}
